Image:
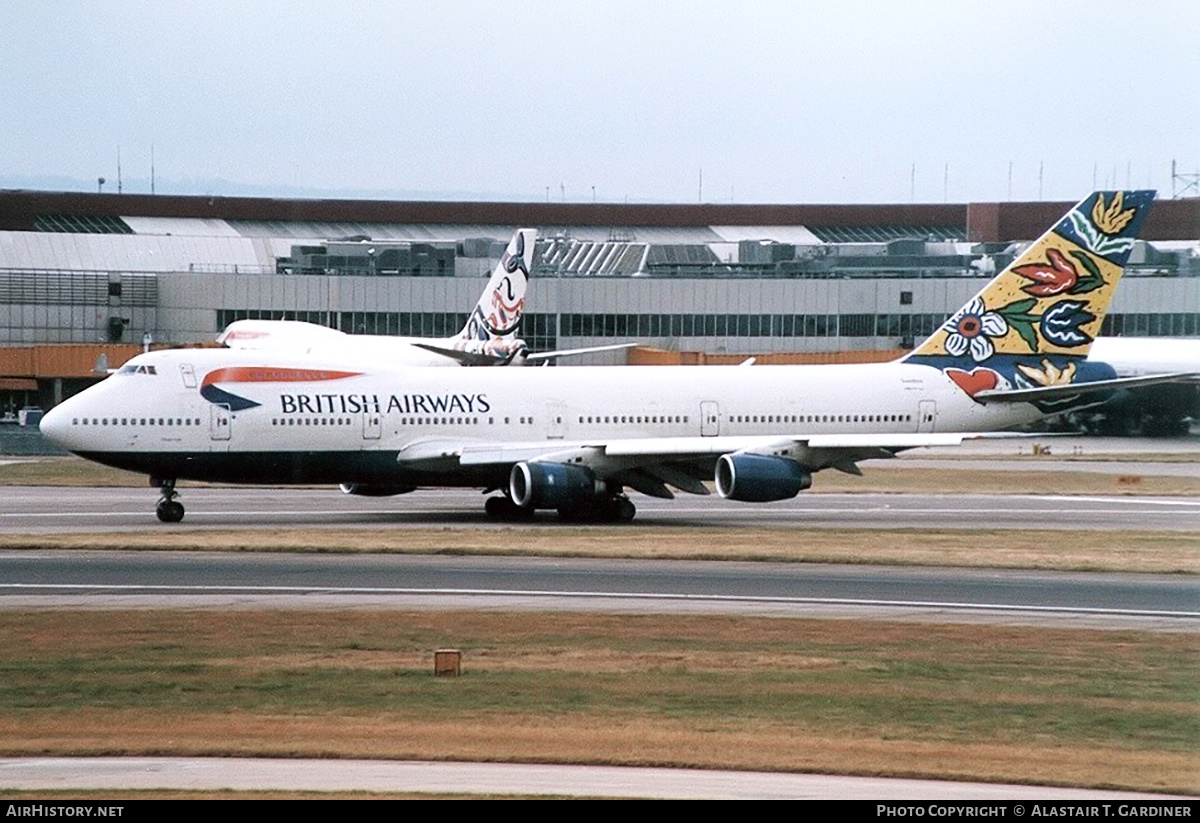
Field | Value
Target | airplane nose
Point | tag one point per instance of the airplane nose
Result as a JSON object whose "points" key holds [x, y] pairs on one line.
{"points": [[56, 426]]}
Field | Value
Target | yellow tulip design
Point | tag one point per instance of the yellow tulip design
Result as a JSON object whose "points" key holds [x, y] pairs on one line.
{"points": [[1111, 219]]}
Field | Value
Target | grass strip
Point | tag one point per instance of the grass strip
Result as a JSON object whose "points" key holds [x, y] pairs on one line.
{"points": [[997, 703], [1119, 551]]}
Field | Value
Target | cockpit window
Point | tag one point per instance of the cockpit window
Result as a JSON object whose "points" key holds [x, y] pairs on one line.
{"points": [[130, 368]]}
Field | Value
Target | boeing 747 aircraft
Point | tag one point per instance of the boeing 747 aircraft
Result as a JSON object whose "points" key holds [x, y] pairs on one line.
{"points": [[575, 439], [489, 338]]}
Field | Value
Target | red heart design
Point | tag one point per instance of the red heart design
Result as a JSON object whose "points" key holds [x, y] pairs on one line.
{"points": [[975, 381]]}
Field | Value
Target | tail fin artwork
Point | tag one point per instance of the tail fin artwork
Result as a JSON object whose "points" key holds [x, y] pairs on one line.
{"points": [[490, 336], [1031, 327], [498, 312]]}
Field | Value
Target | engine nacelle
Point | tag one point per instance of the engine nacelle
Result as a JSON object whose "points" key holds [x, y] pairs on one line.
{"points": [[375, 489], [552, 485], [760, 478]]}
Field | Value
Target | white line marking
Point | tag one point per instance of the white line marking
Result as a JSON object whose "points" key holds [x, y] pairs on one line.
{"points": [[710, 598]]}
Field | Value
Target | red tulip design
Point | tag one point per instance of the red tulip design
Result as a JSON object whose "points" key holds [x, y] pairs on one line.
{"points": [[1048, 280]]}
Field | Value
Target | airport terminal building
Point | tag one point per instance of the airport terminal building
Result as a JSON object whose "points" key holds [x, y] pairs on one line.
{"points": [[89, 275]]}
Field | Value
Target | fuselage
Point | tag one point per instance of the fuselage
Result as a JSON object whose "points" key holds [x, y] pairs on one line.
{"points": [[321, 342], [249, 416], [1137, 356]]}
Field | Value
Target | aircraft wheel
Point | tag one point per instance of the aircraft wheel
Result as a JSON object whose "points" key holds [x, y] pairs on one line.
{"points": [[576, 514], [169, 511], [623, 510], [614, 510], [502, 508]]}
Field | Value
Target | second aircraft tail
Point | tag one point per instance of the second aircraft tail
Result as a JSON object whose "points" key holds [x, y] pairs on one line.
{"points": [[501, 306], [491, 336]]}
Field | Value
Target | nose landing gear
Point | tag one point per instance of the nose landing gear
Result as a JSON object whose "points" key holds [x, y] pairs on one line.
{"points": [[169, 510]]}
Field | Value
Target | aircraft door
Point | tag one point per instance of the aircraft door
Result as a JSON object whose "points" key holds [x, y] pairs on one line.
{"points": [[220, 422], [710, 418], [926, 415], [188, 374], [556, 420], [372, 425]]}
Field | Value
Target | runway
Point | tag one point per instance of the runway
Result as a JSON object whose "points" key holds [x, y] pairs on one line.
{"points": [[115, 579], [43, 510], [391, 581]]}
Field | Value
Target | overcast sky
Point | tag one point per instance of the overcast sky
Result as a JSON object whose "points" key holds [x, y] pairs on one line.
{"points": [[756, 102]]}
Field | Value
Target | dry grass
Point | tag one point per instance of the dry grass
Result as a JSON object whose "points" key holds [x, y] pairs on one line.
{"points": [[64, 471], [1158, 552], [895, 477], [1069, 707]]}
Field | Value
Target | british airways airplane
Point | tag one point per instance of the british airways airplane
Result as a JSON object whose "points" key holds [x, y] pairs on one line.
{"points": [[575, 439], [489, 338]]}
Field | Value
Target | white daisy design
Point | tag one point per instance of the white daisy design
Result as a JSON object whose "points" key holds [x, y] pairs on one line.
{"points": [[971, 329]]}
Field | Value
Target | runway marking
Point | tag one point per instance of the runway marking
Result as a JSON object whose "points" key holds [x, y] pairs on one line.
{"points": [[704, 598], [1161, 501]]}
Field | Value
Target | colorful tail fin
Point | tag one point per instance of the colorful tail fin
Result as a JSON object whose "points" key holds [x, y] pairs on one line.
{"points": [[498, 313], [1034, 323]]}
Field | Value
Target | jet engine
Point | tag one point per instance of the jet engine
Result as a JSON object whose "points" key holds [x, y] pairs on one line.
{"points": [[760, 478], [552, 486], [375, 489]]}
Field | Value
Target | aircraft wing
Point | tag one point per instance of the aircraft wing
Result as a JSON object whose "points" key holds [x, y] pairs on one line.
{"points": [[1040, 394], [651, 464]]}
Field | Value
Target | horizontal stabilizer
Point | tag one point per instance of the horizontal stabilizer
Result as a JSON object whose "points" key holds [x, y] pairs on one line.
{"points": [[466, 358], [1039, 394], [552, 355]]}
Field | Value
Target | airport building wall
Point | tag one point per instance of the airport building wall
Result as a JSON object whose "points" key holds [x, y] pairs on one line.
{"points": [[736, 315], [715, 314]]}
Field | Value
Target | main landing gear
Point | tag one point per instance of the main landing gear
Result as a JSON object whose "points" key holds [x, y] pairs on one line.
{"points": [[615, 509], [502, 508], [169, 510]]}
